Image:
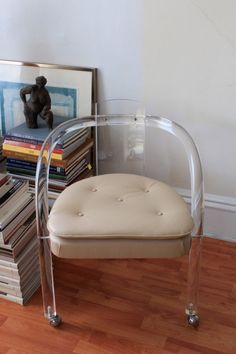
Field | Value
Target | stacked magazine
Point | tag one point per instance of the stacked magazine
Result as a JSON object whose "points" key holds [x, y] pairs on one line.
{"points": [[71, 158], [19, 261]]}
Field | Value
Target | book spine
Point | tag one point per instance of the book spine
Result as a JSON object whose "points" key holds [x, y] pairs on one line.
{"points": [[27, 165], [8, 194], [20, 139], [27, 172], [4, 180], [5, 189], [20, 166], [14, 224], [20, 171], [10, 201], [26, 151], [21, 162], [54, 162], [11, 214], [12, 138], [20, 156], [31, 158], [23, 144], [27, 147]]}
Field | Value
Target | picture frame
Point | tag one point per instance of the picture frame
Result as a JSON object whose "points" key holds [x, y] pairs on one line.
{"points": [[73, 90]]}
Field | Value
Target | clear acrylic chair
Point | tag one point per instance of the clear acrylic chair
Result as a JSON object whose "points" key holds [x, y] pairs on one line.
{"points": [[122, 181]]}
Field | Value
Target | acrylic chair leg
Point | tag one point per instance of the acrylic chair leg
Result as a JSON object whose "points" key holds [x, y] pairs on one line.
{"points": [[47, 282], [193, 281]]}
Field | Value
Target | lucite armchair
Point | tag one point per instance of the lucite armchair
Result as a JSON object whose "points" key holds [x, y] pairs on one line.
{"points": [[121, 212]]}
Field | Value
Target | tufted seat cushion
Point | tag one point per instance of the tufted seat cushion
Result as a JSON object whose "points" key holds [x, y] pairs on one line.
{"points": [[119, 216]]}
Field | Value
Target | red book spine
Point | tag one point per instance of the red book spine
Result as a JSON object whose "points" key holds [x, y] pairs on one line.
{"points": [[30, 146]]}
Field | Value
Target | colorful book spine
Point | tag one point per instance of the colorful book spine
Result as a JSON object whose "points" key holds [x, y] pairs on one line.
{"points": [[64, 163], [26, 172], [10, 137], [27, 165], [33, 140], [27, 151], [29, 146]]}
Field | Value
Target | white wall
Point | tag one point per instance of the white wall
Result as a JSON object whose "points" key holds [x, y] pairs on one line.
{"points": [[190, 76], [101, 33], [179, 56]]}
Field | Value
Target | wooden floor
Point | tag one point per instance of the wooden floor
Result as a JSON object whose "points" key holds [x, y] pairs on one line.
{"points": [[129, 307]]}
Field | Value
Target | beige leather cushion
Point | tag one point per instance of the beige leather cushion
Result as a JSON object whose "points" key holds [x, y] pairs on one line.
{"points": [[113, 213]]}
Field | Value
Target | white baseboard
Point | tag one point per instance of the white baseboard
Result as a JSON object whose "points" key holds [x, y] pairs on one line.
{"points": [[220, 215]]}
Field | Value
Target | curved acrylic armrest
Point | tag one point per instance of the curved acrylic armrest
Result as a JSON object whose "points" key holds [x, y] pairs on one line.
{"points": [[194, 163], [43, 165], [42, 183]]}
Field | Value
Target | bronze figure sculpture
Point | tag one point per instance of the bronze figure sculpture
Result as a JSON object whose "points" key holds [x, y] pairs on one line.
{"points": [[39, 103]]}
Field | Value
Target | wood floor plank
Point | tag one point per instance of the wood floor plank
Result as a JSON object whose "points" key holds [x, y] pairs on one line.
{"points": [[100, 342], [129, 307], [4, 349]]}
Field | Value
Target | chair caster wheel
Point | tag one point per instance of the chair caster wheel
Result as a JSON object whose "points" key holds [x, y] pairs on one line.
{"points": [[54, 320], [193, 320]]}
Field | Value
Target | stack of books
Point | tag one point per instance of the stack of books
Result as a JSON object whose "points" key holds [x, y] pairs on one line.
{"points": [[71, 158], [19, 260]]}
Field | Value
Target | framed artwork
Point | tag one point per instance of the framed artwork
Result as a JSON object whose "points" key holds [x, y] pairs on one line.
{"points": [[73, 90]]}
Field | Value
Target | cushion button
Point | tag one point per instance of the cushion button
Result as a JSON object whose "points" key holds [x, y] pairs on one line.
{"points": [[80, 214], [147, 191], [159, 213], [94, 190], [120, 200]]}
